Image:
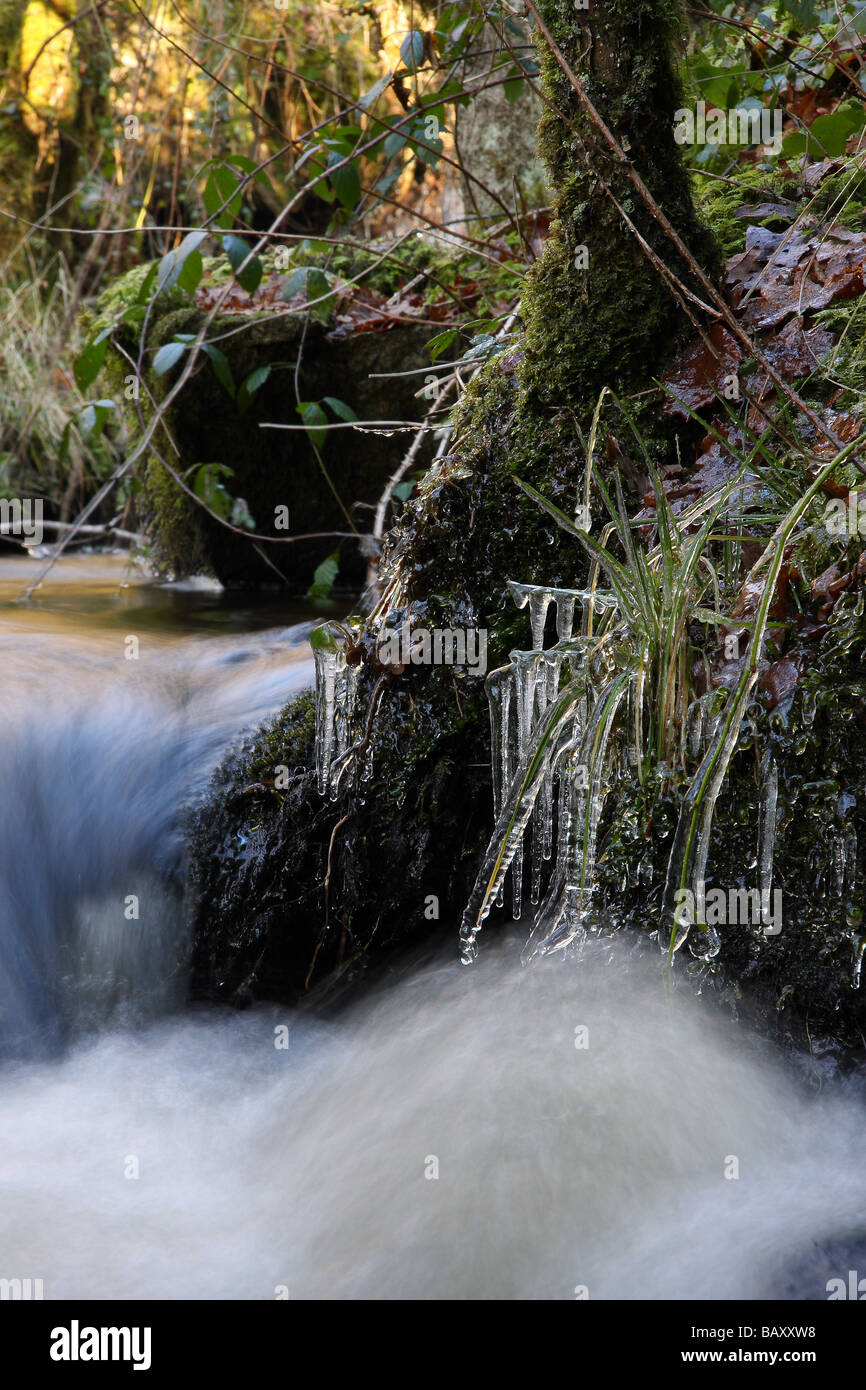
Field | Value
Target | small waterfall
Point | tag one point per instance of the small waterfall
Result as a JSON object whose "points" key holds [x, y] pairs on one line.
{"points": [[101, 761]]}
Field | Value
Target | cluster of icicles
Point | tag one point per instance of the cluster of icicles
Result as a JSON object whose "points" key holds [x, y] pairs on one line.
{"points": [[553, 716], [552, 711]]}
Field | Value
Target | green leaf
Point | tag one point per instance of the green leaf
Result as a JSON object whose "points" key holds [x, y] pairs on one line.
{"points": [[237, 251], [172, 264], [222, 370], [93, 417], [313, 417], [222, 187], [146, 286], [402, 491], [190, 273], [315, 284], [375, 91], [513, 88], [829, 133], [442, 341], [804, 11], [346, 183], [345, 412], [296, 282], [318, 287], [87, 364], [250, 385], [323, 579], [168, 355], [322, 638], [794, 145], [412, 50], [395, 142], [249, 166]]}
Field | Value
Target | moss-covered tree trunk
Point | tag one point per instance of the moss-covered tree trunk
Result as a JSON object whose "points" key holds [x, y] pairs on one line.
{"points": [[595, 311], [403, 848]]}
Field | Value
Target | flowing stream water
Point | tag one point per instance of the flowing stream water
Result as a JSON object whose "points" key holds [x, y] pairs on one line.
{"points": [[569, 1129]]}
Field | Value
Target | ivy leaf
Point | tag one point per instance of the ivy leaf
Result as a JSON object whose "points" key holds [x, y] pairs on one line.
{"points": [[87, 364], [346, 182], [250, 385], [345, 412], [314, 417], [323, 579], [442, 341], [250, 277], [412, 50], [168, 355], [222, 188], [222, 370], [172, 265]]}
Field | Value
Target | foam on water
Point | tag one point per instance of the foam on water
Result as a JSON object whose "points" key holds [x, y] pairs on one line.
{"points": [[444, 1138], [307, 1167]]}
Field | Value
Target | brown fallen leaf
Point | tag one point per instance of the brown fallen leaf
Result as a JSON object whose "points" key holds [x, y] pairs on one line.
{"points": [[699, 374]]}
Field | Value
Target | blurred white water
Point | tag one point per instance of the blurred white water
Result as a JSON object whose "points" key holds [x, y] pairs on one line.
{"points": [[307, 1167], [100, 755], [444, 1138]]}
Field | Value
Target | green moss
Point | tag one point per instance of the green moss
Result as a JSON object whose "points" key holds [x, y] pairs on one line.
{"points": [[596, 311], [841, 198], [719, 200]]}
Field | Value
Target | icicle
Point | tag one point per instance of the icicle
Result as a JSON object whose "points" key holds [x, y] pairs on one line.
{"points": [[527, 667], [580, 863], [538, 606], [859, 945], [326, 680], [547, 813], [767, 827], [635, 753], [498, 688], [564, 616], [539, 597]]}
